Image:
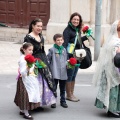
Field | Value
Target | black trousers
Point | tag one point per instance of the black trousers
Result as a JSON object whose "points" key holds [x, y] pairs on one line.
{"points": [[62, 84]]}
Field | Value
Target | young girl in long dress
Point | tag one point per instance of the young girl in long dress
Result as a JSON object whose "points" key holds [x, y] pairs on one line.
{"points": [[28, 89]]}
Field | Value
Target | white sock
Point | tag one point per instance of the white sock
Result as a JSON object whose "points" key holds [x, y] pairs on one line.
{"points": [[22, 111], [26, 112]]}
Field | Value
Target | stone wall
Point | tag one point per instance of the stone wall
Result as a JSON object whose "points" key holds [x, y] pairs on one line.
{"points": [[15, 34], [61, 11], [12, 34]]}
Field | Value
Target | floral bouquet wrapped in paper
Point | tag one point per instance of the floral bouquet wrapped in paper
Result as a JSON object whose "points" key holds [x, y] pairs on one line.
{"points": [[40, 64], [88, 31], [30, 61], [71, 63]]}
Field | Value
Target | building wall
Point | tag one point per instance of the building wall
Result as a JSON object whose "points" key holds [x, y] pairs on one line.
{"points": [[60, 13]]}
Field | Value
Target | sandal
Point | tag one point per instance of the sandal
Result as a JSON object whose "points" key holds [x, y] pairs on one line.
{"points": [[28, 117]]}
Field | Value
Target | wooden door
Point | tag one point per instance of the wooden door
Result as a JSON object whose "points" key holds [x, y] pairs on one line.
{"points": [[19, 13], [8, 11], [22, 13], [39, 9]]}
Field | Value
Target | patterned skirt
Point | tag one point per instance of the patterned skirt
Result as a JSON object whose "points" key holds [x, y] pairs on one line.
{"points": [[21, 97], [114, 100], [47, 96]]}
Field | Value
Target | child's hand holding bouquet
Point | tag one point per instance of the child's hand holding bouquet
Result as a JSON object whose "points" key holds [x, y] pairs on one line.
{"points": [[30, 61]]}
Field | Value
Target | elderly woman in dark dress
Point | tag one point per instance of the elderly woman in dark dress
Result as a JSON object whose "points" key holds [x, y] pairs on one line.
{"points": [[35, 37]]}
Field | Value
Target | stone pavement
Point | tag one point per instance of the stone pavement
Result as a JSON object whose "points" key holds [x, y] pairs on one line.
{"points": [[84, 109], [9, 54]]}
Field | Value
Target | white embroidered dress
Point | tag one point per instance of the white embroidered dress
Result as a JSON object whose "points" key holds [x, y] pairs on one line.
{"points": [[30, 81], [106, 74]]}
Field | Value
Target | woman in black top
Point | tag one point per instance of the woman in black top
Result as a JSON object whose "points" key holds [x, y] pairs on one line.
{"points": [[74, 27], [35, 37]]}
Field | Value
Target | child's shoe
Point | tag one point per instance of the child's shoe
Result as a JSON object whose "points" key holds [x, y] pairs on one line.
{"points": [[53, 105], [21, 113], [64, 105], [28, 117]]}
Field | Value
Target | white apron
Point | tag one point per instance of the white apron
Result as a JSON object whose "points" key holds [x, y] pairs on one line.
{"points": [[31, 82]]}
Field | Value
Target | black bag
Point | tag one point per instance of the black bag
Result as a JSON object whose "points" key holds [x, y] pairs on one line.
{"points": [[87, 61], [117, 60]]}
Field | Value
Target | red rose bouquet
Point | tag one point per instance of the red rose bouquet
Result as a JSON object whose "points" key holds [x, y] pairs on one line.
{"points": [[88, 31], [71, 63], [30, 61]]}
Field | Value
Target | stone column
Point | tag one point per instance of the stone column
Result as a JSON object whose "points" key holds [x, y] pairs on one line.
{"points": [[59, 17], [111, 12], [105, 13], [114, 10]]}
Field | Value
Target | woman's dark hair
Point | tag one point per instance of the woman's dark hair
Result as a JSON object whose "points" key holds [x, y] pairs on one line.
{"points": [[25, 46], [33, 22], [80, 23], [58, 35]]}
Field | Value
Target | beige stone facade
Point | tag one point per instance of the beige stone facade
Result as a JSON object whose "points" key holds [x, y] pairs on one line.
{"points": [[60, 11]]}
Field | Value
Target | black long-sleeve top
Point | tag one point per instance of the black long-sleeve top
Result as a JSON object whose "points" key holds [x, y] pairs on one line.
{"points": [[39, 52], [69, 35]]}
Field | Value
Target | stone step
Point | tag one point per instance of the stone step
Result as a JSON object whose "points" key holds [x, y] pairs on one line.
{"points": [[15, 34]]}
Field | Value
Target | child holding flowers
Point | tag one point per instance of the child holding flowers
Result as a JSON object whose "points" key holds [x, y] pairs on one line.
{"points": [[57, 57], [28, 89]]}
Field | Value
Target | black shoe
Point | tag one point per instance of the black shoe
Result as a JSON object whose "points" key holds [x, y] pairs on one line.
{"points": [[38, 109], [53, 105], [21, 113], [111, 114], [64, 105], [28, 117]]}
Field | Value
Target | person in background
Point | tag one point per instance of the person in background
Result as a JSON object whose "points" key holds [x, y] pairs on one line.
{"points": [[73, 28], [57, 57]]}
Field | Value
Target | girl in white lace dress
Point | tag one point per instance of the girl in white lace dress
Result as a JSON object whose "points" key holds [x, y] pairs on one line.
{"points": [[28, 87]]}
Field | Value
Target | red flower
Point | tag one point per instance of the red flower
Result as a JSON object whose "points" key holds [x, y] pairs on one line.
{"points": [[85, 29], [30, 60], [72, 61]]}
